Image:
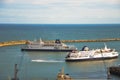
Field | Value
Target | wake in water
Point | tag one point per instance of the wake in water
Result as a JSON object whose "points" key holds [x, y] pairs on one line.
{"points": [[39, 60]]}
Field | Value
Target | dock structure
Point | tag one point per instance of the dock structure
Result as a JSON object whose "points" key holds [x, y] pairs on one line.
{"points": [[62, 76], [19, 42], [115, 70]]}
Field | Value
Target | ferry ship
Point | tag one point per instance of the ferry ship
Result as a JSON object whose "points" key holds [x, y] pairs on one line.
{"points": [[57, 46], [86, 54]]}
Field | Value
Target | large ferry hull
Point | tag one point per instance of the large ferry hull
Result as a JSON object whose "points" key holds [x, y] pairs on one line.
{"points": [[49, 50], [90, 59]]}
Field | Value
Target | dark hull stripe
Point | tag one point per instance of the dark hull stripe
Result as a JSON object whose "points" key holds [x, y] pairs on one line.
{"points": [[52, 50]]}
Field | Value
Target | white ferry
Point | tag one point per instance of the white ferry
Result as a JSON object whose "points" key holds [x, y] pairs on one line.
{"points": [[86, 54], [57, 46]]}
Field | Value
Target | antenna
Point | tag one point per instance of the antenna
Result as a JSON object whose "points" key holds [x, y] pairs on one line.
{"points": [[62, 71], [105, 46]]}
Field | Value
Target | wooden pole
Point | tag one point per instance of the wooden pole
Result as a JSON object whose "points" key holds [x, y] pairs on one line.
{"points": [[15, 73], [108, 74]]}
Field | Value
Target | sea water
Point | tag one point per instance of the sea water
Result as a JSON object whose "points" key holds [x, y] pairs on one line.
{"points": [[46, 65]]}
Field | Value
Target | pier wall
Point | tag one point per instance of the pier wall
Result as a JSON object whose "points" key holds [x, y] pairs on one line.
{"points": [[19, 42]]}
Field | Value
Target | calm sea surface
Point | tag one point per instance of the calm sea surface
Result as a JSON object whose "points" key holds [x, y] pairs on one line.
{"points": [[46, 65]]}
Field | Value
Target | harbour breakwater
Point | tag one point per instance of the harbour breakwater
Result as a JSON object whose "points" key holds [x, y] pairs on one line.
{"points": [[10, 43], [95, 40], [19, 42]]}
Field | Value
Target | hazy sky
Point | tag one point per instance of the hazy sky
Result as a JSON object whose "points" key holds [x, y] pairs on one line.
{"points": [[60, 11]]}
